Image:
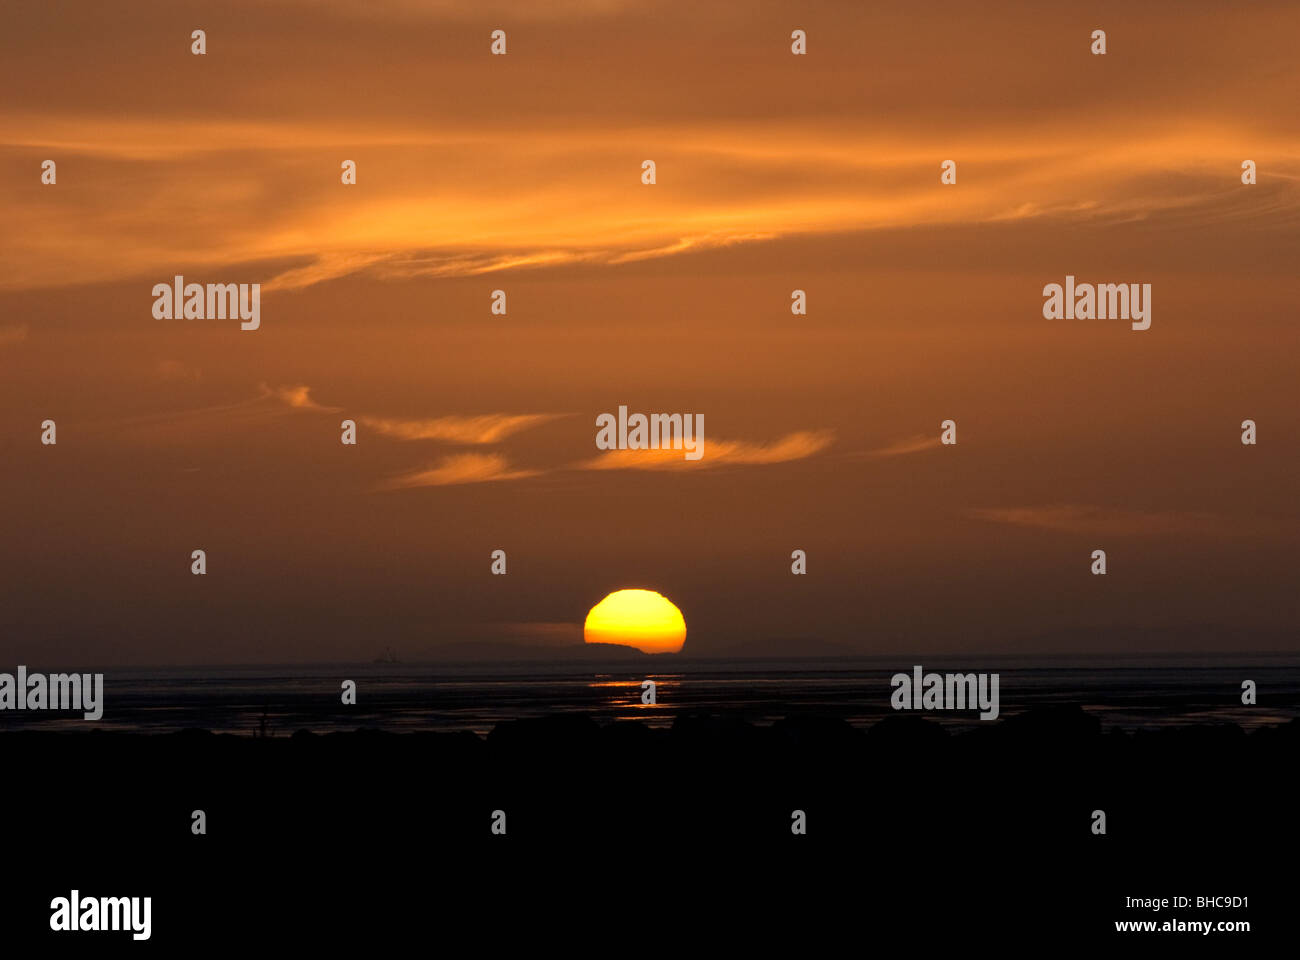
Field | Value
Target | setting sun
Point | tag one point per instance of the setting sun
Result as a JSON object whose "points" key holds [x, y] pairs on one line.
{"points": [[643, 619]]}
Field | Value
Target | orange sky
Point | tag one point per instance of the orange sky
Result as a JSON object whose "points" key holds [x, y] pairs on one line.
{"points": [[523, 172]]}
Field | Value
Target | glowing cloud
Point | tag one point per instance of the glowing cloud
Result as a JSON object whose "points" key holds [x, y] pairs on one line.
{"points": [[462, 468], [488, 428], [794, 446], [298, 397]]}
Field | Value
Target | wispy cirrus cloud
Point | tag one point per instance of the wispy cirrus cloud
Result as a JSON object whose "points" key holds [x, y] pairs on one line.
{"points": [[481, 430], [487, 468], [1115, 521], [326, 266], [198, 424], [434, 266], [469, 430], [503, 219], [282, 400], [914, 444], [452, 470], [174, 371], [794, 446], [526, 11], [485, 428], [298, 397], [459, 469]]}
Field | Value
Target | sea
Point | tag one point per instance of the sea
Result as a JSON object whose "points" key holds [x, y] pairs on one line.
{"points": [[1132, 693]]}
